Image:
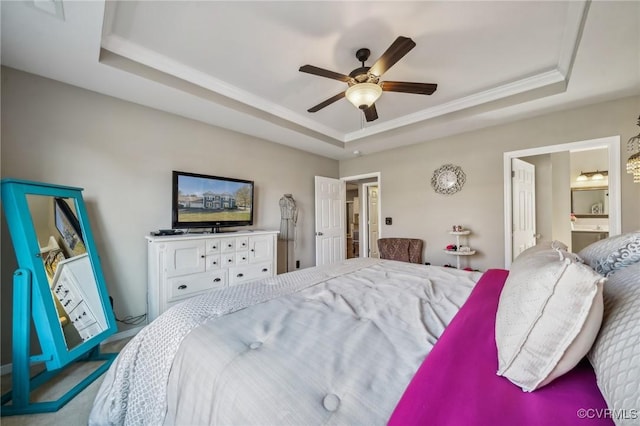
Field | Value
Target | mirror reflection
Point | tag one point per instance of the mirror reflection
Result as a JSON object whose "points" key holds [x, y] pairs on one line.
{"points": [[68, 269], [590, 202]]}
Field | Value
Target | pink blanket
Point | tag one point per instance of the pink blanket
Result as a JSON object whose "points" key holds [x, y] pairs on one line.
{"points": [[457, 384]]}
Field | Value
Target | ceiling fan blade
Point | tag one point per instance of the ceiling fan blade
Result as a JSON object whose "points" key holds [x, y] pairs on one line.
{"points": [[400, 47], [327, 102], [371, 114], [403, 86], [324, 73]]}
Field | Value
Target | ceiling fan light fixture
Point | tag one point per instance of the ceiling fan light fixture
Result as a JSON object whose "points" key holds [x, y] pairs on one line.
{"points": [[363, 95]]}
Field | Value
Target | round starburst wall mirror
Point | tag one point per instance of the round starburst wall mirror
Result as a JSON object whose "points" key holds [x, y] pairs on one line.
{"points": [[448, 179]]}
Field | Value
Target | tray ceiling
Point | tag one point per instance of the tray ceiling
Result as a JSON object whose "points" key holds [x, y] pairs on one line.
{"points": [[235, 64]]}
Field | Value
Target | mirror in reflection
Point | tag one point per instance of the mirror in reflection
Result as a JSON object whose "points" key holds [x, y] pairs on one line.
{"points": [[590, 202]]}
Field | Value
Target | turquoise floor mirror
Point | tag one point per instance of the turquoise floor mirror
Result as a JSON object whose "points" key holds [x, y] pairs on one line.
{"points": [[58, 287]]}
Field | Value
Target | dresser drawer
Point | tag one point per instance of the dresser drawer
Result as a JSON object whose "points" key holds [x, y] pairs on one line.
{"points": [[242, 243], [243, 274], [213, 262], [227, 260], [187, 286], [228, 245], [242, 257], [213, 246]]}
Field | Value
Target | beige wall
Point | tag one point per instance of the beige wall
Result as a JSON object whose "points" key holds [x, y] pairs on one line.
{"points": [[419, 212], [123, 155]]}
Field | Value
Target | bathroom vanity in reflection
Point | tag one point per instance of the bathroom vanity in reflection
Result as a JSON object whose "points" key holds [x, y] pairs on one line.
{"points": [[581, 238], [590, 205], [59, 286]]}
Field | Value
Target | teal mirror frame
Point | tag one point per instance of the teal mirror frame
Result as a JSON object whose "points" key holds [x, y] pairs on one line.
{"points": [[33, 300]]}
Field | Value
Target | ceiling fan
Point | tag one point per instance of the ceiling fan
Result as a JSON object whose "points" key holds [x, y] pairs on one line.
{"points": [[364, 83]]}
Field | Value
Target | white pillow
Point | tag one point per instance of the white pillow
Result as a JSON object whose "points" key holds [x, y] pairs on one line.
{"points": [[543, 245], [615, 355], [549, 314]]}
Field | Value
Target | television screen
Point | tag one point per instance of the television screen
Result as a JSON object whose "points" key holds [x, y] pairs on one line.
{"points": [[202, 201]]}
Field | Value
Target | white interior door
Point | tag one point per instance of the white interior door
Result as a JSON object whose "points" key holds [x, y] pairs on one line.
{"points": [[330, 197], [373, 216], [523, 179]]}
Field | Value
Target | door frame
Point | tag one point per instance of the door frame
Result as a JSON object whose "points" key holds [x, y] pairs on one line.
{"points": [[364, 215], [615, 202], [365, 218]]}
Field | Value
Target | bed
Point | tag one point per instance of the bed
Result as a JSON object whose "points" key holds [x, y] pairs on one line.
{"points": [[366, 341]]}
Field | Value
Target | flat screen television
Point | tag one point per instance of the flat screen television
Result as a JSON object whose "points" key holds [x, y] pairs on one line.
{"points": [[203, 201]]}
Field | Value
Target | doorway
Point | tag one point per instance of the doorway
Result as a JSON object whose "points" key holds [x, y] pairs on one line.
{"points": [[612, 144], [363, 206]]}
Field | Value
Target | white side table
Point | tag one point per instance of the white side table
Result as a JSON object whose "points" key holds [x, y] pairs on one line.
{"points": [[460, 235]]}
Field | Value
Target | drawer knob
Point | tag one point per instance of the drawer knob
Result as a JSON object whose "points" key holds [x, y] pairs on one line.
{"points": [[182, 287], [230, 245], [202, 256], [244, 258], [240, 275], [229, 260], [216, 280], [252, 250], [264, 269]]}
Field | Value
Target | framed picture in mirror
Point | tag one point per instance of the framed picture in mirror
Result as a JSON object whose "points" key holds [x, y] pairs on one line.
{"points": [[68, 226]]}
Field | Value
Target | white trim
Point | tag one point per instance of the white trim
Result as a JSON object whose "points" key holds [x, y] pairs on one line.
{"points": [[615, 200], [574, 25], [378, 177], [162, 63], [365, 216], [526, 84]]}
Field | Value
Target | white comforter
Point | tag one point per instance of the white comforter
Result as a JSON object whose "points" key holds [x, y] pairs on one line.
{"points": [[329, 345]]}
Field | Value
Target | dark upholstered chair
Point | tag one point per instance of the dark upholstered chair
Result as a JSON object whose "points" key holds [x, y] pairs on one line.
{"points": [[403, 249]]}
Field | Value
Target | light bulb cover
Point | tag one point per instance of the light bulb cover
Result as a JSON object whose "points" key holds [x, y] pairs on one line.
{"points": [[363, 95]]}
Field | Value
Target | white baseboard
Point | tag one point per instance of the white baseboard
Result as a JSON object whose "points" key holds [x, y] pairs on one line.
{"points": [[8, 368]]}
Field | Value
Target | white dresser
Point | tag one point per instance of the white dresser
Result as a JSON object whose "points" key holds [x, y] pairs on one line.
{"points": [[183, 266]]}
